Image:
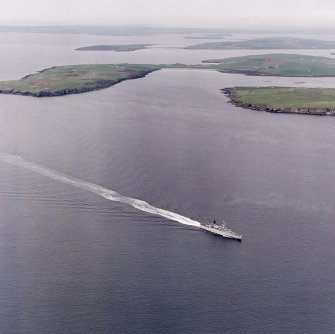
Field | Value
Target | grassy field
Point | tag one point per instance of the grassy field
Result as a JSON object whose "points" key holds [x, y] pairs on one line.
{"points": [[287, 65], [267, 43], [116, 48], [279, 97], [71, 79]]}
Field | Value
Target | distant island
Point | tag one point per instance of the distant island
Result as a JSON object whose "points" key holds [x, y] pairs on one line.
{"points": [[287, 65], [72, 79], [116, 48], [308, 101], [265, 44], [209, 36]]}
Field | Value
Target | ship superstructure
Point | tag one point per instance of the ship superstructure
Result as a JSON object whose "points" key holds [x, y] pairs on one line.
{"points": [[221, 229]]}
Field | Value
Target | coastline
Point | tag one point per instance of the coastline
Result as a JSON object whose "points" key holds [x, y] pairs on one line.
{"points": [[102, 84], [263, 74], [229, 92]]}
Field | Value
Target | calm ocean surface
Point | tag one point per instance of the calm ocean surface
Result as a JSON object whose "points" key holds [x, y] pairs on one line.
{"points": [[74, 262]]}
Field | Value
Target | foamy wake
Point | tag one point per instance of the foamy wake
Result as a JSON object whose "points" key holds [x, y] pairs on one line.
{"points": [[94, 188]]}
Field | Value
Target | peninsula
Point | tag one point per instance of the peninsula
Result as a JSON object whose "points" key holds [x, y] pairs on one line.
{"points": [[285, 65], [72, 79], [310, 101], [279, 43]]}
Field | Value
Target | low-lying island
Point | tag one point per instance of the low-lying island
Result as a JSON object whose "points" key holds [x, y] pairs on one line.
{"points": [[73, 79], [309, 101]]}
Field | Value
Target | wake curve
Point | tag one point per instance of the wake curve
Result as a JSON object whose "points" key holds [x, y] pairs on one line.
{"points": [[94, 188]]}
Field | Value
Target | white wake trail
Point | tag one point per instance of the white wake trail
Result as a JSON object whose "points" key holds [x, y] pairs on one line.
{"points": [[94, 188]]}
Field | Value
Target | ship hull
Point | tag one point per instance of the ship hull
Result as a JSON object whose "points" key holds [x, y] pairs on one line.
{"points": [[224, 234]]}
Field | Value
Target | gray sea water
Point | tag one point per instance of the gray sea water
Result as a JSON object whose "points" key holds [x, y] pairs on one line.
{"points": [[74, 260]]}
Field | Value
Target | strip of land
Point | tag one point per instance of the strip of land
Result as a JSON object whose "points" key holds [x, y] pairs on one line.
{"points": [[61, 80], [285, 65], [72, 79], [311, 101], [116, 48], [274, 43], [209, 36]]}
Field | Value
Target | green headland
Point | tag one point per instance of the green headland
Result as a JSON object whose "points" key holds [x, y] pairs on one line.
{"points": [[285, 65], [61, 80], [313, 101]]}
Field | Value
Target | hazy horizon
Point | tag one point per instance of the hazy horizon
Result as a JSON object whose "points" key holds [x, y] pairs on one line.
{"points": [[172, 13]]}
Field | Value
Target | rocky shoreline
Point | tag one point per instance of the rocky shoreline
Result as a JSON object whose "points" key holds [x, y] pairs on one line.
{"points": [[76, 90], [229, 92]]}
